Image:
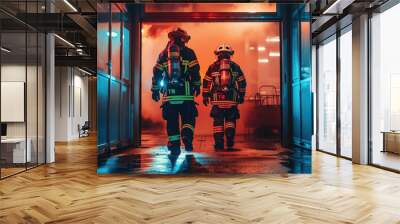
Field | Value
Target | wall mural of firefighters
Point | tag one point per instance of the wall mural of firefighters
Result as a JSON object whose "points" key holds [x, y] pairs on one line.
{"points": [[210, 99]]}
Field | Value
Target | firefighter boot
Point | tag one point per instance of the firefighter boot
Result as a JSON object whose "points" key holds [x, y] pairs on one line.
{"points": [[230, 142], [174, 149], [187, 136], [219, 141], [174, 145], [219, 146], [188, 144]]}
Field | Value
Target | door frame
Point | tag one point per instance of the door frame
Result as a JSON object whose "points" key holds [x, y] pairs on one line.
{"points": [[204, 17]]}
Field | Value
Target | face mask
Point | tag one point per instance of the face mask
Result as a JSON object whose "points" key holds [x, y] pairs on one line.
{"points": [[224, 55]]}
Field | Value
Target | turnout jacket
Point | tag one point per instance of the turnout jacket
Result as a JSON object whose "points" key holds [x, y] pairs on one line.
{"points": [[224, 99], [190, 74]]}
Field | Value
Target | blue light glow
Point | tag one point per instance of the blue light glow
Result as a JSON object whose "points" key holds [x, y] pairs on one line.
{"points": [[162, 83], [113, 34]]}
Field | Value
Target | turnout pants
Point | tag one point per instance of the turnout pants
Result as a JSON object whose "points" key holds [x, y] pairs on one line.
{"points": [[224, 124], [186, 112]]}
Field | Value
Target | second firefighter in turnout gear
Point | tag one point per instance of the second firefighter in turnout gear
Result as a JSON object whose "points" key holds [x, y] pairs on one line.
{"points": [[224, 86], [176, 77]]}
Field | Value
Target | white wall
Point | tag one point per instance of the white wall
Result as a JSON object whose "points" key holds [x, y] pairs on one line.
{"points": [[12, 73], [81, 105], [9, 73], [71, 102], [62, 82], [16, 73], [33, 127]]}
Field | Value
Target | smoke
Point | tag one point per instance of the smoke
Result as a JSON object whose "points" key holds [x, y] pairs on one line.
{"points": [[155, 31], [244, 37]]}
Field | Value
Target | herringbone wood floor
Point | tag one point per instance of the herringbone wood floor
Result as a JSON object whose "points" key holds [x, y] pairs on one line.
{"points": [[70, 191]]}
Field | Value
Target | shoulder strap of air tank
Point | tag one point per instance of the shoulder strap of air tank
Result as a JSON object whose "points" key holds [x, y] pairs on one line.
{"points": [[187, 88]]}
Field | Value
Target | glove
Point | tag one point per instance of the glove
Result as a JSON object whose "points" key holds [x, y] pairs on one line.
{"points": [[156, 96], [206, 100], [196, 90], [240, 99]]}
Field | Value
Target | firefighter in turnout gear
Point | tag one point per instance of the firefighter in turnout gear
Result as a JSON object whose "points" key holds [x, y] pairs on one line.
{"points": [[224, 86], [176, 77]]}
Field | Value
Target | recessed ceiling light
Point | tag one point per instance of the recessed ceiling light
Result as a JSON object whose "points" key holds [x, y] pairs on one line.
{"points": [[261, 48], [335, 7], [5, 50], [274, 54], [84, 71], [64, 40], [263, 60], [272, 39], [70, 5]]}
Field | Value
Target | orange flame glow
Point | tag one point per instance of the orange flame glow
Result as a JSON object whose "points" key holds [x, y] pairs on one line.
{"points": [[244, 37]]}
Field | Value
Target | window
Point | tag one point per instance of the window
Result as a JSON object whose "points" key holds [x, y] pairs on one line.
{"points": [[346, 94], [327, 96], [22, 77], [334, 96], [115, 42], [385, 89], [114, 101], [103, 23]]}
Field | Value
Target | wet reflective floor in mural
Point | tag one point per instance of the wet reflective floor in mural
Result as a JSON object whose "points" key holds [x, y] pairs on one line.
{"points": [[250, 156]]}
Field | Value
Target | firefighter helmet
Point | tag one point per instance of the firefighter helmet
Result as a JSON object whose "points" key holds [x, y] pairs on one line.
{"points": [[179, 34], [224, 48]]}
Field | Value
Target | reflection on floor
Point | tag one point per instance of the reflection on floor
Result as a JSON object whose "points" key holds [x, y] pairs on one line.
{"points": [[387, 159], [8, 169], [250, 156]]}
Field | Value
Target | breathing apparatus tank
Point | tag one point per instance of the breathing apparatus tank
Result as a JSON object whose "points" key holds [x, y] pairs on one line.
{"points": [[225, 75], [174, 65]]}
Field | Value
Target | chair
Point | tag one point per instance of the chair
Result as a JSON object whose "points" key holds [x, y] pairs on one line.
{"points": [[84, 129]]}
